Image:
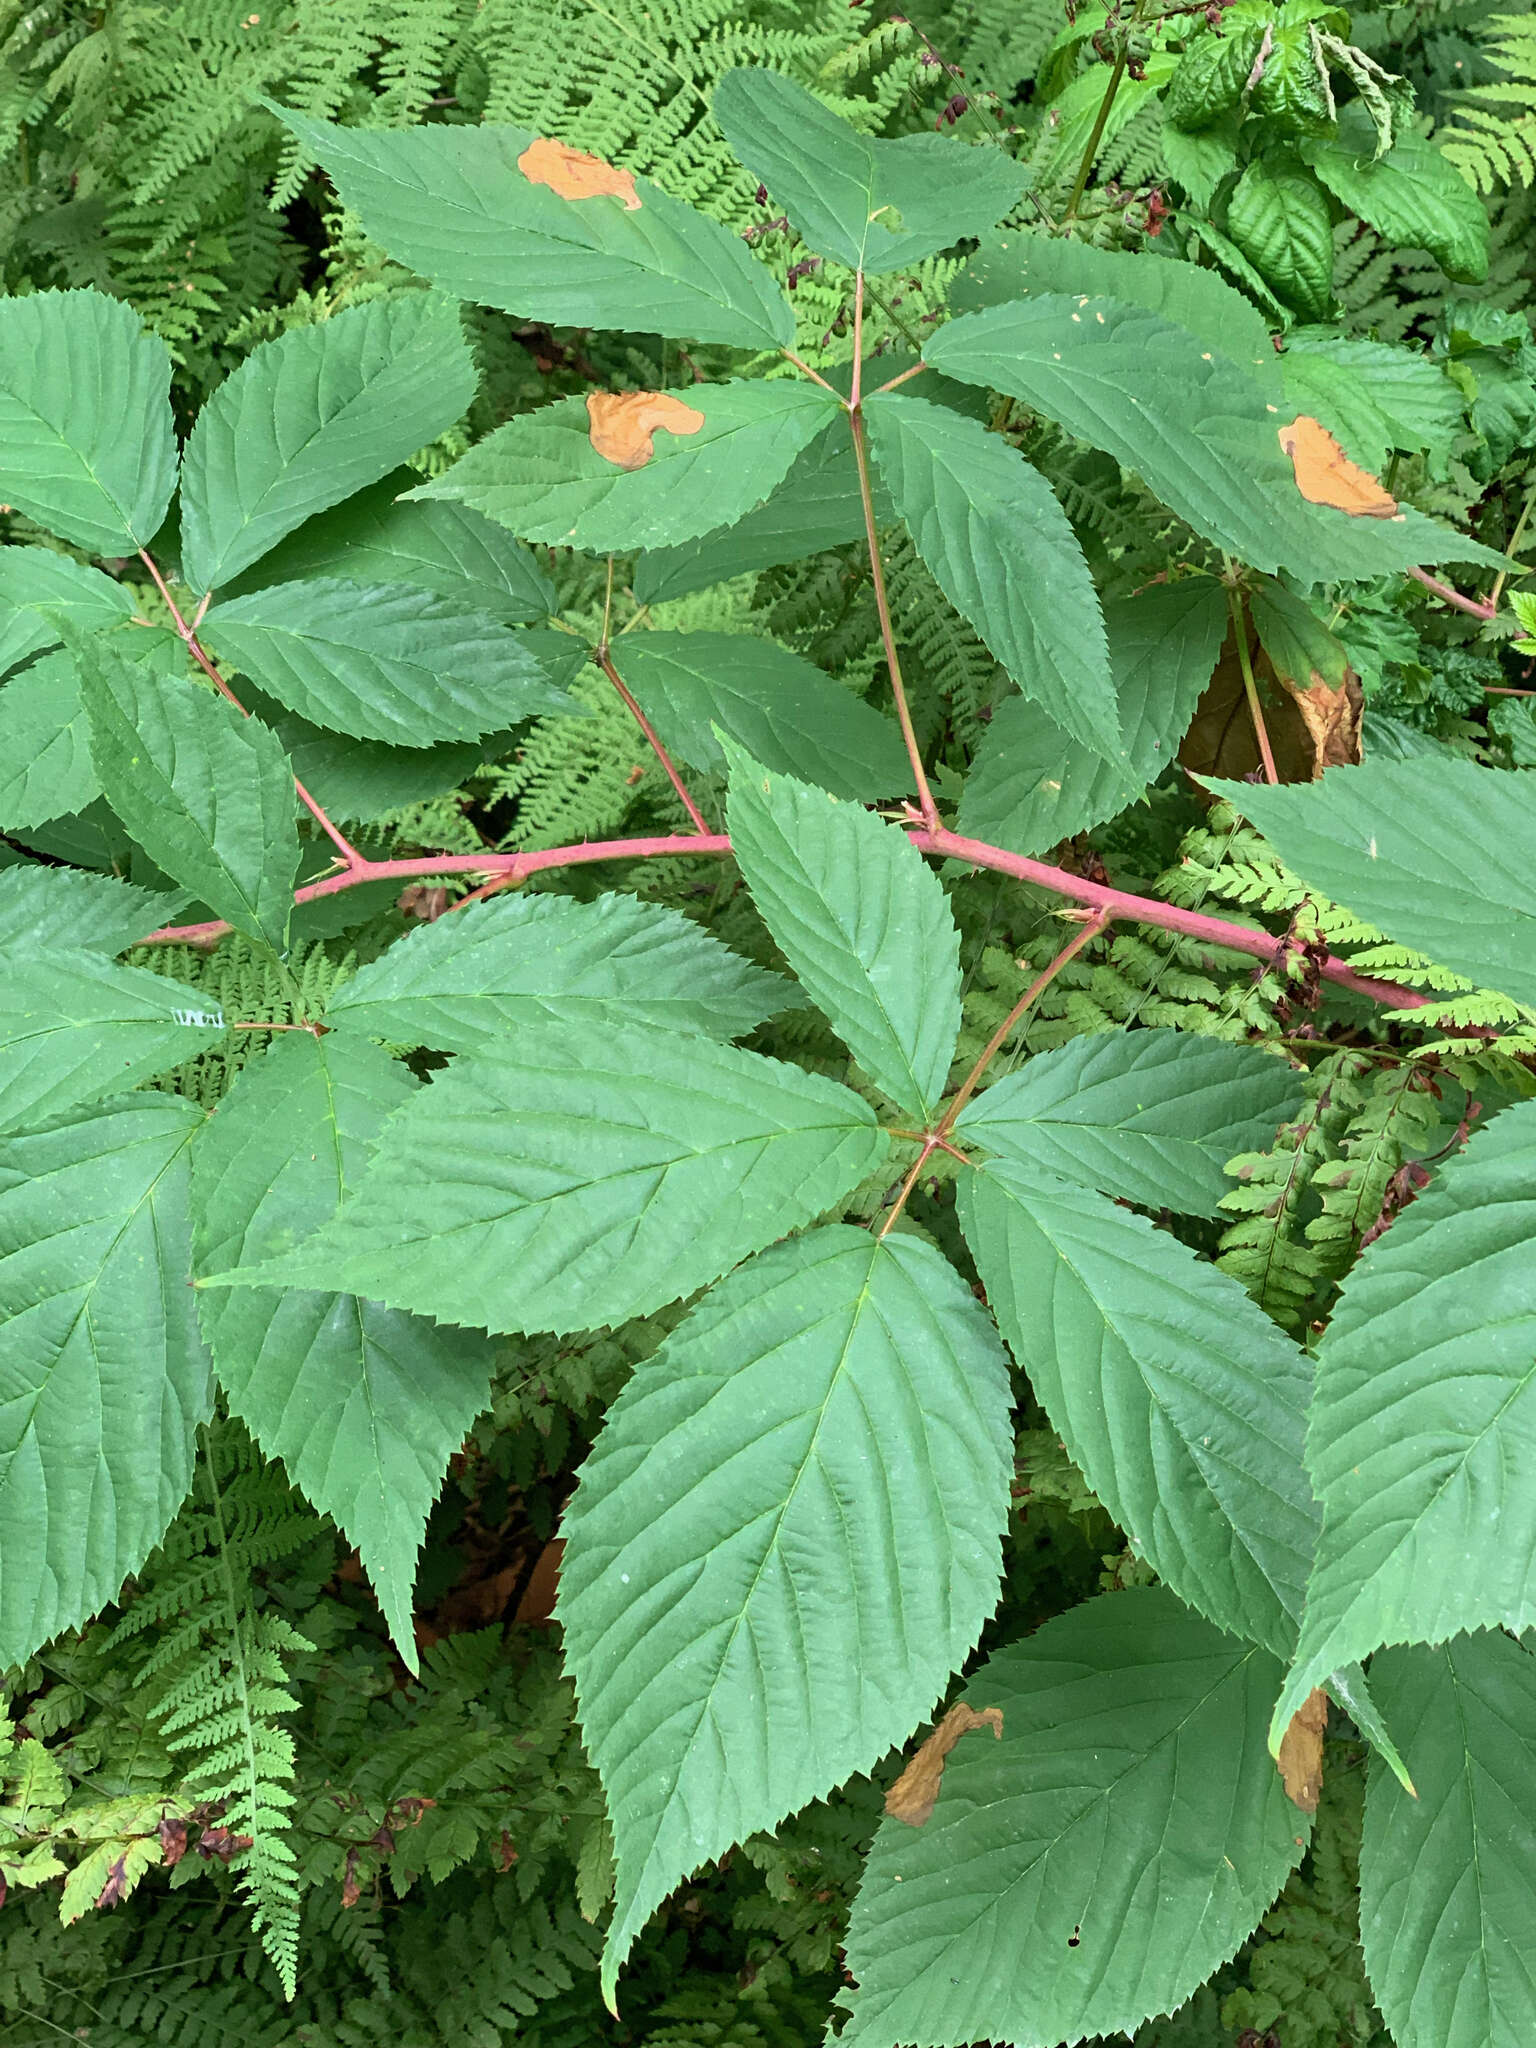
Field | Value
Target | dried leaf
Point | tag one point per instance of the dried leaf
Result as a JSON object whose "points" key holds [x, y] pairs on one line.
{"points": [[173, 1839], [351, 1890], [1332, 720], [1311, 725], [575, 174], [1301, 1751], [115, 1890], [915, 1792], [624, 422], [537, 1606], [1326, 476]]}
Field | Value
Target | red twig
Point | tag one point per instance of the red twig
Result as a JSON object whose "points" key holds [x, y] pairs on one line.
{"points": [[1480, 608], [605, 663]]}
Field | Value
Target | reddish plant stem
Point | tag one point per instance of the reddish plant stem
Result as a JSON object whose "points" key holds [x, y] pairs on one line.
{"points": [[1250, 686], [199, 654], [1090, 930], [1118, 904], [806, 371], [930, 1146], [916, 370], [605, 662], [1480, 608]]}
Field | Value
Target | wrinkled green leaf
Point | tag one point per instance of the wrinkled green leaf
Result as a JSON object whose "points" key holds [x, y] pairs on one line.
{"points": [[1413, 196], [1148, 1116], [1004, 554], [785, 1541], [363, 1405], [786, 712], [1448, 1880], [105, 1377], [384, 661], [1096, 1864], [1280, 220], [310, 418], [87, 443], [861, 920], [453, 204], [541, 476], [472, 981], [75, 1027], [872, 204], [1422, 1437], [1180, 1401], [1440, 854], [575, 1181]]}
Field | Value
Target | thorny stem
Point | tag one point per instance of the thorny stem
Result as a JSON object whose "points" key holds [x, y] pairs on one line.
{"points": [[605, 663], [930, 1146], [1093, 924], [1251, 688], [926, 804], [1118, 904], [188, 633], [1475, 605]]}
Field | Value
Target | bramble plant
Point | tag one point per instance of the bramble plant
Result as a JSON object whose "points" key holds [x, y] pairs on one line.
{"points": [[881, 1243]]}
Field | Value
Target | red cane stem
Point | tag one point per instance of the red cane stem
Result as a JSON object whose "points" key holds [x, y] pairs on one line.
{"points": [[605, 662]]}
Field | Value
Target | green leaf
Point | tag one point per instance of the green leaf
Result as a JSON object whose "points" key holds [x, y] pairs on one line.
{"points": [[376, 538], [1180, 1401], [1195, 426], [1440, 854], [786, 712], [1413, 196], [1280, 220], [74, 1028], [363, 1405], [358, 780], [1292, 92], [1199, 161], [816, 506], [1031, 785], [1096, 1864], [863, 923], [1422, 1437], [575, 1181], [473, 981], [1078, 122], [36, 582], [39, 906], [1148, 1116], [786, 1539], [1013, 266], [874, 205], [1004, 554], [728, 447], [1372, 396], [454, 204], [87, 443], [105, 1377], [310, 418], [206, 793], [383, 661], [45, 751], [1212, 75], [1448, 1880]]}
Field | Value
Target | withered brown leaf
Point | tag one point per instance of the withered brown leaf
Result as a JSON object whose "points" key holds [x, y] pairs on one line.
{"points": [[624, 423], [576, 173], [913, 1796], [1301, 1751]]}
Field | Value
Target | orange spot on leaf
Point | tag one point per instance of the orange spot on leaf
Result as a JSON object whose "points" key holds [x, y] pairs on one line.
{"points": [[624, 423], [574, 174], [1326, 476], [915, 1793]]}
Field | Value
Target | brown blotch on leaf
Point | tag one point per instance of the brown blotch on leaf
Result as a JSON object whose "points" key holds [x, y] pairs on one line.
{"points": [[115, 1890], [915, 1792], [1312, 724], [575, 174], [1301, 1751], [1326, 476], [624, 424], [173, 1839]]}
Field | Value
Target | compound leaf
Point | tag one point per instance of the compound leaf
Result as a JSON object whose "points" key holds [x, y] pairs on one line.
{"points": [[1148, 1116], [1422, 1436], [679, 463], [105, 1377], [499, 216], [1448, 1880], [87, 442], [386, 661], [575, 1181], [363, 1405], [206, 792], [1179, 1400], [1096, 1864], [470, 982], [872, 204], [864, 924], [310, 418], [1004, 554], [1441, 854], [787, 1538], [786, 712]]}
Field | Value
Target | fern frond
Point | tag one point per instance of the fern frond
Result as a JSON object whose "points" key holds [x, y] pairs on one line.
{"points": [[1492, 136]]}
